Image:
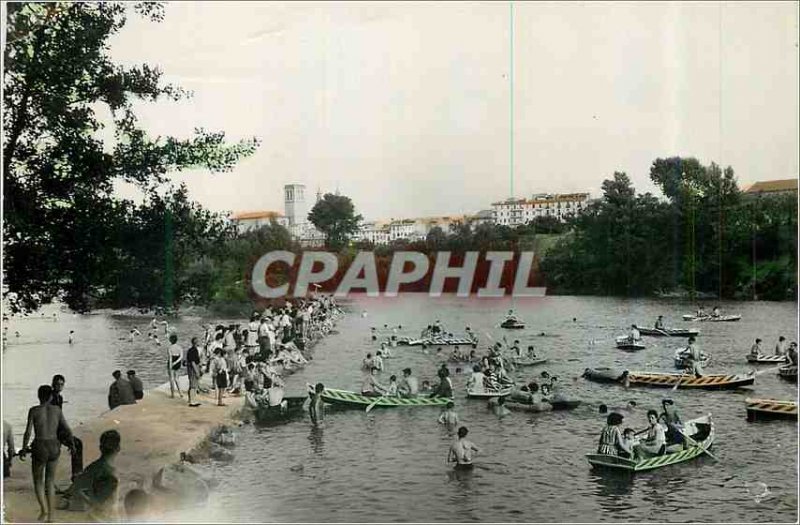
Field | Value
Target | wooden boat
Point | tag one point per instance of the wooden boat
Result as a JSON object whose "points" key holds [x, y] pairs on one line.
{"points": [[764, 409], [488, 394], [712, 318], [669, 332], [788, 372], [681, 359], [701, 430], [266, 413], [706, 382], [442, 341], [354, 400], [766, 359], [624, 343], [604, 375], [512, 324], [527, 361]]}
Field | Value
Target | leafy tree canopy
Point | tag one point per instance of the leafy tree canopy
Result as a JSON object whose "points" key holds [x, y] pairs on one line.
{"points": [[62, 221], [336, 217]]}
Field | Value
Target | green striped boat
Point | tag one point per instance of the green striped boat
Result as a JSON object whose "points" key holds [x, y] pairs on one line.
{"points": [[352, 399], [701, 430]]}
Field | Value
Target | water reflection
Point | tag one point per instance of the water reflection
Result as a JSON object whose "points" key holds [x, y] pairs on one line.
{"points": [[315, 438]]}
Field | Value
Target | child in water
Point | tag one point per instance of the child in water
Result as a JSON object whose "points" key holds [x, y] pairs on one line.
{"points": [[448, 417]]}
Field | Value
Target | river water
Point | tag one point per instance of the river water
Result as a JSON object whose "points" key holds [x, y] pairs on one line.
{"points": [[389, 465]]}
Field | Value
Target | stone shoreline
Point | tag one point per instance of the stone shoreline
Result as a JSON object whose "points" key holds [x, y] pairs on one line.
{"points": [[154, 432]]}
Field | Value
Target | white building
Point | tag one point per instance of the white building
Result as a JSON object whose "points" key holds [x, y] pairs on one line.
{"points": [[297, 216], [515, 212], [250, 220]]}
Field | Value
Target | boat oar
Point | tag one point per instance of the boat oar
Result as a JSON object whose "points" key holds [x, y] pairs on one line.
{"points": [[372, 405], [694, 443], [674, 388], [662, 332], [773, 369]]}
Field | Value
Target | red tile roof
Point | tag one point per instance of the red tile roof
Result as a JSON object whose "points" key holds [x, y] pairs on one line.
{"points": [[769, 186]]}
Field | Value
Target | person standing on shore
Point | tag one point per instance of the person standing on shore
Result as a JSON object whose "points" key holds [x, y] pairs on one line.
{"points": [[74, 444], [174, 358], [219, 372], [44, 420], [120, 392], [193, 371], [8, 448], [136, 385]]}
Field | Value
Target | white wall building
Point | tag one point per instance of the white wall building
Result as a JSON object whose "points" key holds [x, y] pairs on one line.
{"points": [[515, 212], [250, 220]]}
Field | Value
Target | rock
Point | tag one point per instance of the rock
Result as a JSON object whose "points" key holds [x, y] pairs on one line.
{"points": [[182, 481], [220, 453], [224, 436]]}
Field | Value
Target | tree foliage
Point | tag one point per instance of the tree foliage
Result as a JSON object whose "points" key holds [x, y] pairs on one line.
{"points": [[336, 217], [63, 224]]}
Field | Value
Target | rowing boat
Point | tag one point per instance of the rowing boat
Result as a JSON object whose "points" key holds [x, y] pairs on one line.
{"points": [[354, 400], [712, 318], [441, 341], [523, 361], [625, 343], [670, 332], [766, 359], [762, 409], [512, 324], [788, 372], [604, 375], [701, 430], [681, 359], [488, 394], [266, 413], [706, 382]]}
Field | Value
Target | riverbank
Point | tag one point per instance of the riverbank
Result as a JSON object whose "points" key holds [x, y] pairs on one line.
{"points": [[154, 432]]}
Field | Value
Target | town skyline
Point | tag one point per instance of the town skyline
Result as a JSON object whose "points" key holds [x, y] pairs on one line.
{"points": [[407, 108]]}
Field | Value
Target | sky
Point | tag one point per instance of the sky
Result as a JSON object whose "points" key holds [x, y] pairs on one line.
{"points": [[417, 109]]}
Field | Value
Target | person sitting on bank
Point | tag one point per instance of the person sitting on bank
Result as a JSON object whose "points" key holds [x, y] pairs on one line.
{"points": [[655, 441], [95, 489], [371, 387], [120, 392], [136, 384]]}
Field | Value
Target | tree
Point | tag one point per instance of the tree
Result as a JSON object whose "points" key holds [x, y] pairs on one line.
{"points": [[62, 219], [335, 216]]}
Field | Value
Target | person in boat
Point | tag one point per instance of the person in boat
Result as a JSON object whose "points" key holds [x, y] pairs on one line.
{"points": [[426, 387], [611, 436], [701, 311], [531, 354], [791, 354], [660, 323], [655, 441], [448, 417], [694, 358], [274, 393], [780, 346], [476, 382], [672, 420], [473, 356], [625, 446], [755, 350], [634, 334], [385, 350], [715, 312], [391, 390], [445, 386], [516, 350], [408, 386], [371, 387], [511, 316]]}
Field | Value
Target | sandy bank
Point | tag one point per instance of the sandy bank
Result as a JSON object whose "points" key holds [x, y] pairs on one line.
{"points": [[154, 433]]}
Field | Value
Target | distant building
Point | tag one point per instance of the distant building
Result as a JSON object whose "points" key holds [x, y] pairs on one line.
{"points": [[249, 220], [482, 217], [376, 232], [773, 187], [297, 216], [515, 212]]}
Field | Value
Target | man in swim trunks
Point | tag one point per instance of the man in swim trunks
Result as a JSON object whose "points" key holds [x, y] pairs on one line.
{"points": [[44, 420], [461, 451]]}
